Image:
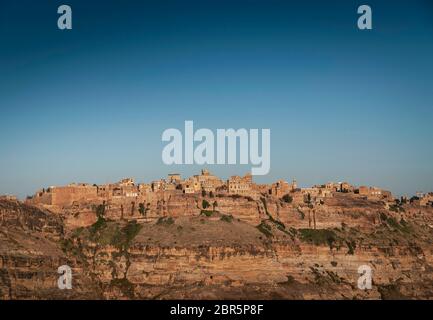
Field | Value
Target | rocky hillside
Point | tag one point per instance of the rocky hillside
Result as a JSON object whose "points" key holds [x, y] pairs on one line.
{"points": [[30, 254], [268, 250]]}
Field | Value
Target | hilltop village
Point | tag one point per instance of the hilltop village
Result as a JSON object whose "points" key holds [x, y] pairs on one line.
{"points": [[202, 237], [204, 184], [174, 196]]}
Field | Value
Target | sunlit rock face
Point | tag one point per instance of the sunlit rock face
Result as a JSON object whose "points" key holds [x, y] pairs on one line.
{"points": [[180, 246]]}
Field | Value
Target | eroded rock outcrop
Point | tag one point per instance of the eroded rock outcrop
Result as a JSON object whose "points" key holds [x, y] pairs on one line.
{"points": [[240, 248]]}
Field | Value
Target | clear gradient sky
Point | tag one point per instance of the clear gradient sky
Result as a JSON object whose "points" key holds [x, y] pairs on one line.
{"points": [[90, 104]]}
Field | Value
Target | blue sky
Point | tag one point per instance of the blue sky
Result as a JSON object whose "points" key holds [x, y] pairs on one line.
{"points": [[90, 104]]}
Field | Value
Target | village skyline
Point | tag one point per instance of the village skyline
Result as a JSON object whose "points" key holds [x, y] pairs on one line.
{"points": [[207, 182], [259, 180]]}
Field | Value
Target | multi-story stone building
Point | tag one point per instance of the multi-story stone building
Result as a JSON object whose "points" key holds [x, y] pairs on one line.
{"points": [[126, 182], [281, 188], [427, 199], [338, 187], [345, 187], [158, 185], [207, 181], [203, 182], [66, 195], [174, 178], [240, 185], [374, 193], [8, 197], [144, 188], [188, 186]]}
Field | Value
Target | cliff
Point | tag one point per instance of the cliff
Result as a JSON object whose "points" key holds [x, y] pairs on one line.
{"points": [[245, 248]]}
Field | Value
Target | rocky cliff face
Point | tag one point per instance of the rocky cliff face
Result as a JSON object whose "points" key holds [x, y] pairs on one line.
{"points": [[30, 254], [245, 248]]}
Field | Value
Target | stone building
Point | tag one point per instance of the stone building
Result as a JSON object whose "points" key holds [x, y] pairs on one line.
{"points": [[169, 187], [281, 188], [126, 182], [374, 193], [194, 184], [363, 190], [325, 193], [124, 188], [208, 181], [313, 191], [8, 197], [240, 185], [346, 187], [157, 185], [332, 186], [174, 178], [188, 186], [208, 186], [427, 199], [130, 191], [66, 195], [203, 182], [338, 187], [105, 191], [144, 188], [261, 188]]}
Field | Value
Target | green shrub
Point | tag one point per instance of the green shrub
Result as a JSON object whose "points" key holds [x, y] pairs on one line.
{"points": [[396, 208], [392, 223], [100, 210], [265, 205], [124, 285], [226, 218], [393, 207], [264, 228], [402, 226], [100, 224], [127, 234], [165, 221], [351, 245], [318, 237], [279, 224], [207, 213], [66, 245], [141, 209], [205, 204], [69, 248], [77, 232], [287, 198], [104, 234]]}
